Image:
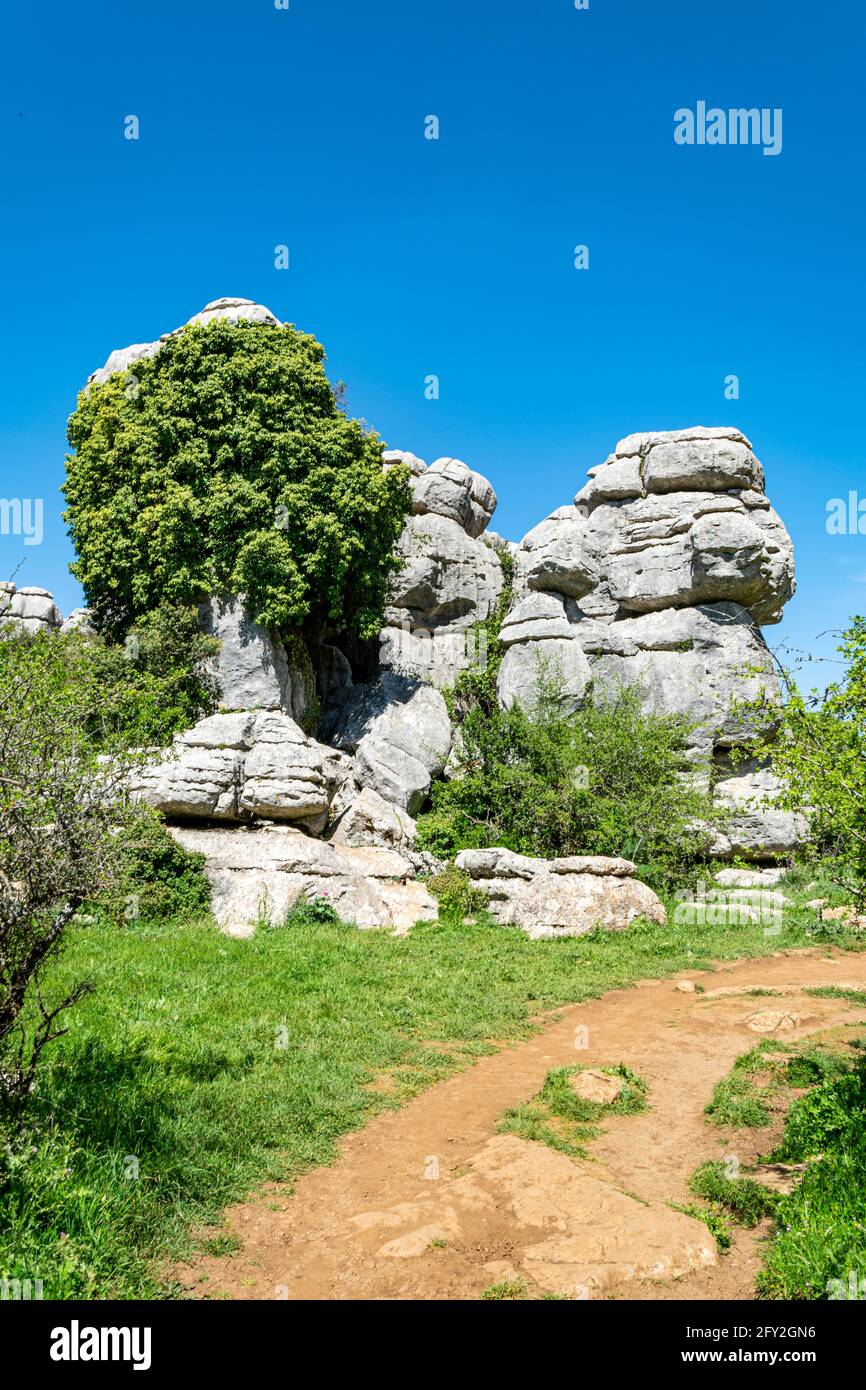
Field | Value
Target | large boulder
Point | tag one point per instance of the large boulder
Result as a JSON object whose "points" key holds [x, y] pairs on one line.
{"points": [[449, 488], [242, 765], [558, 555], [259, 874], [252, 669], [400, 733], [371, 820], [448, 578], [560, 897], [28, 610], [680, 518]]}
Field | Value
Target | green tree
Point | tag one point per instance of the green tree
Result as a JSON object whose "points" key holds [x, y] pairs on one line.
{"points": [[223, 464]]}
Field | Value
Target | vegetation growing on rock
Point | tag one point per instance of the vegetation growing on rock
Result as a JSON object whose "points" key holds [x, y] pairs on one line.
{"points": [[223, 464]]}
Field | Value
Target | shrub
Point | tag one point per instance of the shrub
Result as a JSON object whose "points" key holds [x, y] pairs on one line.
{"points": [[820, 753], [59, 806], [156, 879], [457, 897], [231, 468], [608, 780]]}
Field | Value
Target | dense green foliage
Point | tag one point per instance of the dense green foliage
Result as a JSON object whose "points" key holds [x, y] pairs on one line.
{"points": [[223, 464], [133, 694], [605, 780], [819, 1250], [155, 879], [821, 753]]}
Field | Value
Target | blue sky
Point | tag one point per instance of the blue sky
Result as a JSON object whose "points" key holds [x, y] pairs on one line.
{"points": [[454, 257]]}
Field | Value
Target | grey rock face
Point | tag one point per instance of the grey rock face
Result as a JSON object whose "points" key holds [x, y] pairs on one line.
{"points": [[449, 583], [449, 488], [565, 897], [240, 765], [79, 620], [696, 662], [251, 669], [557, 555], [680, 518], [28, 609], [448, 579], [262, 873], [528, 663], [756, 828], [370, 820], [400, 733]]}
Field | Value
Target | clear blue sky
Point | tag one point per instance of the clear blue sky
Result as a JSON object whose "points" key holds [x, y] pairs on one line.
{"points": [[411, 257]]}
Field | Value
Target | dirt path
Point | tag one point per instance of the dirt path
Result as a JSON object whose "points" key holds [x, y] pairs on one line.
{"points": [[428, 1203]]}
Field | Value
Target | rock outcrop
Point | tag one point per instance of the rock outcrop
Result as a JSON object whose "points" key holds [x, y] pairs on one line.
{"points": [[660, 573], [28, 609], [244, 765], [259, 874], [560, 897], [451, 579]]}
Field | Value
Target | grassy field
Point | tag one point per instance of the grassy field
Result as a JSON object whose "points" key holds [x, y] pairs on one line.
{"points": [[202, 1066]]}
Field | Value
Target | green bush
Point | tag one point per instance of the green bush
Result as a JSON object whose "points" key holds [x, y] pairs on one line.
{"points": [[457, 898], [825, 1117], [229, 467], [156, 879], [605, 780], [820, 752], [819, 1248], [135, 694]]}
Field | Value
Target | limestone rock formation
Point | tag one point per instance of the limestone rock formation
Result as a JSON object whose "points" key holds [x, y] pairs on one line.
{"points": [[560, 897], [260, 873], [122, 359], [252, 669], [28, 609], [233, 767], [451, 579], [400, 733]]}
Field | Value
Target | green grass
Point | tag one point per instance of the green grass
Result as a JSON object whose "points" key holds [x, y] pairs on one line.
{"points": [[509, 1290], [744, 1199], [565, 1121], [203, 1066], [712, 1218], [819, 1247]]}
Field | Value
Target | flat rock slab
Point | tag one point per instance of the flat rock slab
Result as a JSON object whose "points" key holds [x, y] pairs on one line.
{"points": [[574, 1232]]}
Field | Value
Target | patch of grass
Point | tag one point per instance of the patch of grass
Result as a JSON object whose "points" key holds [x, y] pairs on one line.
{"points": [[222, 1245], [563, 1120], [744, 1199], [853, 996], [738, 1104], [508, 1289], [712, 1218], [203, 1066]]}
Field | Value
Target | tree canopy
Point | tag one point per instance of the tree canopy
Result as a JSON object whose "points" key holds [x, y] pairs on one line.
{"points": [[223, 464]]}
